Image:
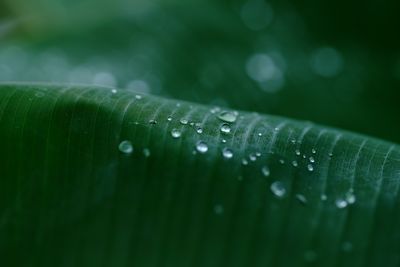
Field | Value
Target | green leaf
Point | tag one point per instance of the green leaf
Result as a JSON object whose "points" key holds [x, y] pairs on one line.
{"points": [[292, 194]]}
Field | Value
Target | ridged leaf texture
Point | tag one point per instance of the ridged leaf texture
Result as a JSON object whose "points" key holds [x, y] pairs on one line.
{"points": [[286, 192]]}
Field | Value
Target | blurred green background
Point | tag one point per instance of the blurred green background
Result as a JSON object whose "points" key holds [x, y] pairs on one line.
{"points": [[336, 63]]}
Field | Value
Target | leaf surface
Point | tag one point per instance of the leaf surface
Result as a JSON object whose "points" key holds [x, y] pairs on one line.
{"points": [[271, 192]]}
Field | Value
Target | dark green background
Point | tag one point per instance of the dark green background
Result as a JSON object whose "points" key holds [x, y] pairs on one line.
{"points": [[197, 50]]}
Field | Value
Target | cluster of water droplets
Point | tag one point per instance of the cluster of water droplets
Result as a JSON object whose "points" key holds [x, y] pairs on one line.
{"points": [[201, 146], [227, 118], [310, 165]]}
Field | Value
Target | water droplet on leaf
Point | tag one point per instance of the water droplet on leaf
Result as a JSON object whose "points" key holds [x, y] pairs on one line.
{"points": [[201, 147], [341, 203], [227, 153], [175, 133], [310, 167], [184, 121], [125, 147], [227, 116], [350, 197], [225, 128], [252, 157], [278, 189], [265, 171], [199, 130]]}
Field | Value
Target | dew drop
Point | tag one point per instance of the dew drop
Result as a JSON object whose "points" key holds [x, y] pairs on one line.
{"points": [[312, 160], [199, 130], [341, 203], [258, 154], [260, 134], [225, 128], [313, 151], [227, 153], [125, 147], [278, 189], [114, 91], [310, 167], [138, 97], [227, 116], [175, 133], [223, 141], [252, 157], [245, 162], [282, 161], [153, 122], [295, 164], [297, 152], [265, 171], [169, 119], [350, 197], [184, 121], [201, 147], [324, 197]]}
